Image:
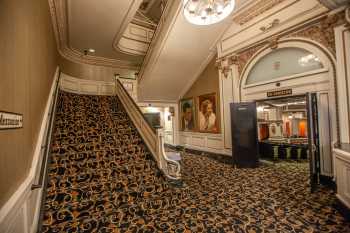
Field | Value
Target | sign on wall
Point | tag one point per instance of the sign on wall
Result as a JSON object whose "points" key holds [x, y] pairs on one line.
{"points": [[279, 93], [9, 120]]}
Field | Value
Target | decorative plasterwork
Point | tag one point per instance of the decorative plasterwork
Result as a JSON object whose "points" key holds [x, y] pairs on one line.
{"points": [[321, 32], [58, 10], [333, 4], [255, 10], [225, 63]]}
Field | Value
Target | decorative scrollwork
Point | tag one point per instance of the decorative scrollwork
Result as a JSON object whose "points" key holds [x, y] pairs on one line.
{"points": [[225, 63], [272, 25]]}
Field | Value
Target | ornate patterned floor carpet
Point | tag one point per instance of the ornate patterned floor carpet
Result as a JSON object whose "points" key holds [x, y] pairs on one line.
{"points": [[103, 179]]}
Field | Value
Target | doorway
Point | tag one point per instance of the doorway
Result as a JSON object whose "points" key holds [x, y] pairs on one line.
{"points": [[283, 129], [296, 130]]}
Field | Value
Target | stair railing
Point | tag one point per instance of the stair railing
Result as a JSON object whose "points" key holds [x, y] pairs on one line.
{"points": [[153, 137]]}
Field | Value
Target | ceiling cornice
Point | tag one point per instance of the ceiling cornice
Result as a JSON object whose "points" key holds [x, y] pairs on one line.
{"points": [[255, 10], [58, 10]]}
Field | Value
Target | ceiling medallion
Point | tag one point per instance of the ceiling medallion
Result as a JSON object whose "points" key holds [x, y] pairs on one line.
{"points": [[207, 12]]}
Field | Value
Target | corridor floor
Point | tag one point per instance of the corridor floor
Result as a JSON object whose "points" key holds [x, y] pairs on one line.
{"points": [[102, 179]]}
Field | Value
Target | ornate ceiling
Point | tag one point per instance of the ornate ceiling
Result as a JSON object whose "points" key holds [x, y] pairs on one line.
{"points": [[80, 25], [104, 26]]}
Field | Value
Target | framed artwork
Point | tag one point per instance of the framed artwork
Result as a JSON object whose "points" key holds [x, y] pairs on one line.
{"points": [[207, 111], [187, 114]]}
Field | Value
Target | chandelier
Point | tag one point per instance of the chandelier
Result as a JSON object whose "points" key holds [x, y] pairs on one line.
{"points": [[206, 12]]}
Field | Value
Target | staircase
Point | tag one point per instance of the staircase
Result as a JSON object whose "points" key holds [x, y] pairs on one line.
{"points": [[101, 175]]}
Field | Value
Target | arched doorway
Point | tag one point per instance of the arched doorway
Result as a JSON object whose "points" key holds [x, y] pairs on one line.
{"points": [[292, 70]]}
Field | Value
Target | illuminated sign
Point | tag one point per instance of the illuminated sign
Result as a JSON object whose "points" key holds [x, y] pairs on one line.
{"points": [[279, 93]]}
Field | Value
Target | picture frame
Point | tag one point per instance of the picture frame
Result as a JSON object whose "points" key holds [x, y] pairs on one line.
{"points": [[187, 115], [207, 111]]}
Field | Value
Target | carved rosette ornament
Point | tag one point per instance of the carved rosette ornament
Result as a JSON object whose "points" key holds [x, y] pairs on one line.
{"points": [[225, 63]]}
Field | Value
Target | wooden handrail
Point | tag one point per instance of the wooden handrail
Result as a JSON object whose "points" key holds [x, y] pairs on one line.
{"points": [[45, 147], [135, 105], [152, 137]]}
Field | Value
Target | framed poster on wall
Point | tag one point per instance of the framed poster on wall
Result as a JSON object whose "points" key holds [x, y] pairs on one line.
{"points": [[207, 113], [187, 114]]}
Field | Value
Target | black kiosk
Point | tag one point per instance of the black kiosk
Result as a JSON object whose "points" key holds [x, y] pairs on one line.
{"points": [[244, 135]]}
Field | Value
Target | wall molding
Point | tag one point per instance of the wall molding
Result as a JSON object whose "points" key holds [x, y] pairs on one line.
{"points": [[21, 212], [213, 143]]}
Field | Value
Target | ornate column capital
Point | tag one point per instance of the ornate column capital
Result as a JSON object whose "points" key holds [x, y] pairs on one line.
{"points": [[224, 64]]}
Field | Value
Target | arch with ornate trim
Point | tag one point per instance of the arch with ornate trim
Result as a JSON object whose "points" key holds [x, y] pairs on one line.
{"points": [[321, 80]]}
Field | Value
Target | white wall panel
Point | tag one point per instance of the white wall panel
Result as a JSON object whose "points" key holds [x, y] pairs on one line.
{"points": [[205, 142], [88, 87]]}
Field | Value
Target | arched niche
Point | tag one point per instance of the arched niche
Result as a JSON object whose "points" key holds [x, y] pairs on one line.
{"points": [[297, 64]]}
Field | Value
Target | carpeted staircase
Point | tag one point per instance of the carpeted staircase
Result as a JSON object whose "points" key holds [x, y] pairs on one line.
{"points": [[101, 174], [103, 179]]}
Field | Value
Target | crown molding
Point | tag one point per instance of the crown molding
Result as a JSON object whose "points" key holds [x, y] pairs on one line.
{"points": [[255, 10], [58, 10]]}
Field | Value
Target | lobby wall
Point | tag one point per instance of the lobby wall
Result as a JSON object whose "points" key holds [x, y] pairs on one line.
{"points": [[28, 63], [208, 82]]}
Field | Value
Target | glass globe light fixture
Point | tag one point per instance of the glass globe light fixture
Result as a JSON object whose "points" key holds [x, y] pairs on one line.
{"points": [[207, 12]]}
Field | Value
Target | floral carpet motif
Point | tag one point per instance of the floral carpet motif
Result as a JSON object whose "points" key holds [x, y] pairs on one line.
{"points": [[102, 178]]}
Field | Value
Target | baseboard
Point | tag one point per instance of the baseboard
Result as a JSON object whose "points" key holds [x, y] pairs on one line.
{"points": [[21, 212]]}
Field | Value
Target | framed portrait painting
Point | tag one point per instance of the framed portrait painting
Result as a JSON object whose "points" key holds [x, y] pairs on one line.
{"points": [[187, 114], [207, 113]]}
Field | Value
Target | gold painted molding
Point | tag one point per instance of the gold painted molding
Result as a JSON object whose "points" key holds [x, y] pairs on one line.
{"points": [[255, 10], [58, 10], [223, 64], [321, 31]]}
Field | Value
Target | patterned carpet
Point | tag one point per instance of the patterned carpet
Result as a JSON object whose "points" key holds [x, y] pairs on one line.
{"points": [[103, 179]]}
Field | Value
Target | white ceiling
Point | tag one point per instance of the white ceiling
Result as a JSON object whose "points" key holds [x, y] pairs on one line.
{"points": [[185, 53], [97, 24]]}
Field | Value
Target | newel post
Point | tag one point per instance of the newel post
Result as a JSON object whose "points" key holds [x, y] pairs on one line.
{"points": [[116, 77], [160, 147]]}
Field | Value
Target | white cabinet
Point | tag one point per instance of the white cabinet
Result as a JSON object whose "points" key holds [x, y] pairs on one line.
{"points": [[342, 169]]}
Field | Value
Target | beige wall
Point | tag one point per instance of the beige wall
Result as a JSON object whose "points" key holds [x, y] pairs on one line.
{"points": [[207, 82], [92, 72], [27, 66]]}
